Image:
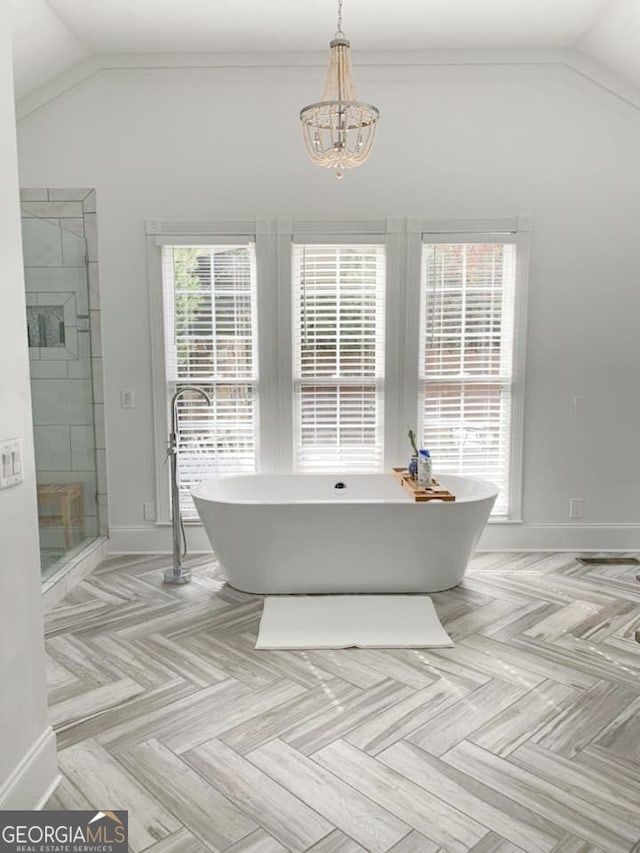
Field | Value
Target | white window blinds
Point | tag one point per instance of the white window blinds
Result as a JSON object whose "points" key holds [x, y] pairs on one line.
{"points": [[339, 304], [467, 327], [210, 341]]}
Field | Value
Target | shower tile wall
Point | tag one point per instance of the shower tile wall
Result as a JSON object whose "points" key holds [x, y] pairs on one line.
{"points": [[63, 307]]}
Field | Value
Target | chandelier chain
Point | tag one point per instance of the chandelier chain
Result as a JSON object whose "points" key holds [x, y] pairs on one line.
{"points": [[339, 30]]}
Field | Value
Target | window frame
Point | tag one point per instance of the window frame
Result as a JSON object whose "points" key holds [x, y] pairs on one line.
{"points": [[274, 239], [376, 382], [516, 231], [176, 233]]}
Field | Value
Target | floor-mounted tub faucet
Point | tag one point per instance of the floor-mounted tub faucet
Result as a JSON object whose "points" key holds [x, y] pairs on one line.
{"points": [[178, 574]]}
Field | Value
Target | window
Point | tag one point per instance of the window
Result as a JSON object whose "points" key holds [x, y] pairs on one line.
{"points": [[360, 329], [467, 357], [209, 296], [338, 328]]}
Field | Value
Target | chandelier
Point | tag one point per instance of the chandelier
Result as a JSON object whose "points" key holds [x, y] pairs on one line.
{"points": [[339, 130]]}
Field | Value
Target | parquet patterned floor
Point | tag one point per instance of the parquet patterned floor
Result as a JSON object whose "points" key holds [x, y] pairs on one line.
{"points": [[524, 737]]}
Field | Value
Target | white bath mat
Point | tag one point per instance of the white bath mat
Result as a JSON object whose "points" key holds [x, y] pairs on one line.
{"points": [[341, 621]]}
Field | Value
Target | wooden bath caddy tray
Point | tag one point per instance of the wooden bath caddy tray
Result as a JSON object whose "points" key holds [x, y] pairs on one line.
{"points": [[435, 492]]}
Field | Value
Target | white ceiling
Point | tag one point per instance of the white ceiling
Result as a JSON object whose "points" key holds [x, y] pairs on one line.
{"points": [[52, 35]]}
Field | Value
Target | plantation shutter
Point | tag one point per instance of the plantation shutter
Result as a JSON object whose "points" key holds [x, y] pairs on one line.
{"points": [[339, 304], [210, 342], [467, 359]]}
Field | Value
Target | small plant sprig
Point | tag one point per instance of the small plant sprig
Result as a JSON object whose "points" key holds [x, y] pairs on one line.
{"points": [[412, 439]]}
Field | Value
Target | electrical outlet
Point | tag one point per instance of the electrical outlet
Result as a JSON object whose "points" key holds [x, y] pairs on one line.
{"points": [[10, 463], [576, 508], [127, 399], [149, 511]]}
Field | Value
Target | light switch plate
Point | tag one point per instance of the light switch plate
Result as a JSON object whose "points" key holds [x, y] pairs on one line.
{"points": [[10, 462]]}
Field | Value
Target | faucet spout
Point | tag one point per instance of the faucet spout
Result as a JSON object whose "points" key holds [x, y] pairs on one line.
{"points": [[178, 574], [194, 389]]}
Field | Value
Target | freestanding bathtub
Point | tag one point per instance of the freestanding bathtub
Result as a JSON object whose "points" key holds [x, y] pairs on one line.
{"points": [[298, 533]]}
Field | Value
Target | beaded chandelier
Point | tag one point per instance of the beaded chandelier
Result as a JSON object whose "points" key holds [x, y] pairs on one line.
{"points": [[339, 130]]}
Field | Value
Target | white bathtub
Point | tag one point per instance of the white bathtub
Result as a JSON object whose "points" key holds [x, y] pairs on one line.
{"points": [[297, 533]]}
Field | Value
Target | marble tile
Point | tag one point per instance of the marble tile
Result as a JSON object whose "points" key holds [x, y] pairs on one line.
{"points": [[113, 725], [342, 716], [474, 667], [68, 798], [41, 243], [619, 803], [93, 701], [59, 280], [622, 736], [573, 814], [475, 620], [80, 368], [526, 658], [153, 764], [518, 825], [89, 204], [564, 621], [200, 725], [167, 683], [181, 842], [74, 248], [67, 194], [619, 774], [462, 719], [342, 664], [572, 844], [370, 825], [571, 730], [414, 842], [62, 402], [277, 811], [514, 726], [56, 209], [338, 842], [82, 448], [433, 817], [492, 843], [108, 784], [380, 731], [52, 447], [257, 842], [278, 721], [28, 194]]}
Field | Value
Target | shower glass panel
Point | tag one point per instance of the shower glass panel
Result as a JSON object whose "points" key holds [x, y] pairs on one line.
{"points": [[58, 327]]}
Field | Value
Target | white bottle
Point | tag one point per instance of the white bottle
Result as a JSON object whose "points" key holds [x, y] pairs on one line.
{"points": [[424, 469]]}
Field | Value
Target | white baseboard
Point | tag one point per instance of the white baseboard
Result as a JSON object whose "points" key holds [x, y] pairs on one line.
{"points": [[155, 539], [560, 537], [35, 778]]}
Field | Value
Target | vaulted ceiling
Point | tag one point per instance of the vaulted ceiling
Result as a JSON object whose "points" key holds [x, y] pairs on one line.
{"points": [[50, 36]]}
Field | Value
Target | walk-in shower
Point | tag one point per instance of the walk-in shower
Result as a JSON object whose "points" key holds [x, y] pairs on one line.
{"points": [[63, 327]]}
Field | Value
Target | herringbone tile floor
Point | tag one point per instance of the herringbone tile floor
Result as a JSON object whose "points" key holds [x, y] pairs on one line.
{"points": [[524, 737]]}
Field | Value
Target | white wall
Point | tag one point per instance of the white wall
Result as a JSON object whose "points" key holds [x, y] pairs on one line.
{"points": [[27, 744], [454, 141]]}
